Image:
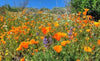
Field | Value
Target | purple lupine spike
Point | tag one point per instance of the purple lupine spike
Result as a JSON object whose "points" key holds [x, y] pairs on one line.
{"points": [[45, 45], [37, 33], [45, 41], [70, 33], [59, 16], [71, 28], [50, 39]]}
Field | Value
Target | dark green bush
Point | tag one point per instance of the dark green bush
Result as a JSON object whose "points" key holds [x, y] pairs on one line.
{"points": [[93, 5]]}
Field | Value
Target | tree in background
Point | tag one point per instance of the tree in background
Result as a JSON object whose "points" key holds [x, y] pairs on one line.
{"points": [[20, 3], [93, 5]]}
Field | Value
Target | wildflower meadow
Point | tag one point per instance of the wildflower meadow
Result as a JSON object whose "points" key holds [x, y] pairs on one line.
{"points": [[49, 37]]}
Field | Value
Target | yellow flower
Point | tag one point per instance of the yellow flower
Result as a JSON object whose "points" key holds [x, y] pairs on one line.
{"points": [[56, 24], [80, 30], [67, 41], [36, 37], [66, 23], [87, 49], [63, 43], [88, 30], [99, 21], [96, 24], [86, 9], [19, 48], [2, 40], [41, 37], [63, 34], [6, 54], [87, 38]]}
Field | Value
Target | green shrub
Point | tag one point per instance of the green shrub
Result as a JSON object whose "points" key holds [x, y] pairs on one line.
{"points": [[57, 10], [93, 5]]}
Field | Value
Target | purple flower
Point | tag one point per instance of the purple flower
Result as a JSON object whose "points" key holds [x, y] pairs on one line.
{"points": [[78, 26], [71, 28], [47, 42], [70, 33], [59, 16], [50, 39], [37, 33]]}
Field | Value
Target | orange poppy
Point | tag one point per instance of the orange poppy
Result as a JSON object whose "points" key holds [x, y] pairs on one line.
{"points": [[79, 13], [33, 53], [36, 50], [75, 40], [87, 38], [22, 59], [96, 24], [58, 48], [74, 34], [86, 10], [88, 30], [36, 42], [84, 13], [56, 24], [42, 37], [93, 47], [57, 36], [19, 48], [40, 12], [45, 30], [24, 44], [98, 42], [63, 43], [32, 41], [67, 42], [58, 19], [77, 60], [2, 40], [0, 58]]}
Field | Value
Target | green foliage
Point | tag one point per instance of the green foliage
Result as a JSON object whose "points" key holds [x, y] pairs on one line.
{"points": [[34, 9], [93, 5], [45, 9], [12, 9], [57, 10], [2, 11]]}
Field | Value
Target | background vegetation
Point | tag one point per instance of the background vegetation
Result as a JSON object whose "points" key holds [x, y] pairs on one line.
{"points": [[93, 5]]}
